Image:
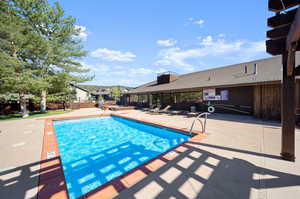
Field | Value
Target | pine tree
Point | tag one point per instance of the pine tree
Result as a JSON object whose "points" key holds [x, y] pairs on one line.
{"points": [[116, 92], [37, 45], [16, 41], [63, 50]]}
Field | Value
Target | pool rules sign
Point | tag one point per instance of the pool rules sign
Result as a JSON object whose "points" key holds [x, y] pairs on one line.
{"points": [[283, 40]]}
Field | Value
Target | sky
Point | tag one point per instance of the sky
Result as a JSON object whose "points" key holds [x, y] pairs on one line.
{"points": [[130, 41]]}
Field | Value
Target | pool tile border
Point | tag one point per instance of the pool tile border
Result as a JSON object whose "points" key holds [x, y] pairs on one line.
{"points": [[52, 180]]}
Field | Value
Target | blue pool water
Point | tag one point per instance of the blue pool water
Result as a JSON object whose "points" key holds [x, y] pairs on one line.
{"points": [[96, 150]]}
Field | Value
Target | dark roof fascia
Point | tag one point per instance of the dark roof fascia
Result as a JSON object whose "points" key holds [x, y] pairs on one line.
{"points": [[80, 88], [194, 89]]}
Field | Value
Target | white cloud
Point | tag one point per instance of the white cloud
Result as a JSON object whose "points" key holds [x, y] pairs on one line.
{"points": [[113, 55], [133, 72], [209, 47], [161, 70], [259, 46], [196, 21], [166, 43], [95, 67], [118, 67], [199, 22], [117, 70], [207, 41], [119, 81], [82, 32], [112, 74], [177, 57], [140, 71]]}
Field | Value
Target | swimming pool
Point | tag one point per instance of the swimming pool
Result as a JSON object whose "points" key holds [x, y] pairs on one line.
{"points": [[94, 151]]}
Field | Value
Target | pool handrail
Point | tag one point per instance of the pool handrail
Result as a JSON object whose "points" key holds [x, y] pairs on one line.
{"points": [[198, 118]]}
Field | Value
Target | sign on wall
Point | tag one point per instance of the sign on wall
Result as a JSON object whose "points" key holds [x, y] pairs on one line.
{"points": [[209, 94], [224, 95]]}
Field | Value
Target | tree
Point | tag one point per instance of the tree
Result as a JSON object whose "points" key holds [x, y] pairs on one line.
{"points": [[116, 92], [17, 40], [60, 90], [62, 49], [37, 44]]}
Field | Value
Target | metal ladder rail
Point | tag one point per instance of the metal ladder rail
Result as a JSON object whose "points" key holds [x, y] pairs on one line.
{"points": [[198, 119]]}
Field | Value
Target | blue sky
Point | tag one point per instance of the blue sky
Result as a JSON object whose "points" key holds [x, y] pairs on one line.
{"points": [[129, 42]]}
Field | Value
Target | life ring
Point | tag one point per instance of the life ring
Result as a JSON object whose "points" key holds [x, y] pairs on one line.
{"points": [[211, 109]]}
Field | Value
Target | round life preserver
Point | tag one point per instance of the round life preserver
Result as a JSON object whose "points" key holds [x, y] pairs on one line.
{"points": [[211, 109]]}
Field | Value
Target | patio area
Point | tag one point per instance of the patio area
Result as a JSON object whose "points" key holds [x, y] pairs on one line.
{"points": [[239, 158]]}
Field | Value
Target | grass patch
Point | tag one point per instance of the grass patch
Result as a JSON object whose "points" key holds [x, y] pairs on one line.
{"points": [[32, 115]]}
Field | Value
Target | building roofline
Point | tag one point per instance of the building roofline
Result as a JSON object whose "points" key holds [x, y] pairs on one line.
{"points": [[229, 65], [140, 87], [76, 86]]}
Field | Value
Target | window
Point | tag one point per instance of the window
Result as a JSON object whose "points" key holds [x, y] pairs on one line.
{"points": [[246, 69], [255, 69], [167, 99], [133, 98], [189, 97], [143, 98]]}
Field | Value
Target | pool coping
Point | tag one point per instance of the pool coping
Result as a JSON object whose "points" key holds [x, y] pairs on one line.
{"points": [[52, 182]]}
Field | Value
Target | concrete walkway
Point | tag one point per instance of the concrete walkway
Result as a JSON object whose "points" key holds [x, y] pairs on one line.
{"points": [[238, 159], [20, 154]]}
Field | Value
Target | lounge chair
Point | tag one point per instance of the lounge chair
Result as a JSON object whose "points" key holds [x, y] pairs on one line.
{"points": [[148, 109], [192, 114], [165, 110], [155, 110], [174, 112]]}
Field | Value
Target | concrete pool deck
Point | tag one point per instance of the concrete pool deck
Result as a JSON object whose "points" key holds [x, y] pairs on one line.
{"points": [[238, 159]]}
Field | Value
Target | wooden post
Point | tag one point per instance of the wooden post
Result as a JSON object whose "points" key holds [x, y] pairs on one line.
{"points": [[150, 99], [287, 111], [175, 99]]}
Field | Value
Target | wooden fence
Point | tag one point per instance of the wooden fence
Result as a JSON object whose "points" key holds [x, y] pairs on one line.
{"points": [[14, 107]]}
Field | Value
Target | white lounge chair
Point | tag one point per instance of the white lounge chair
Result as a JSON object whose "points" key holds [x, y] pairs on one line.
{"points": [[155, 110], [165, 110], [148, 109], [174, 112]]}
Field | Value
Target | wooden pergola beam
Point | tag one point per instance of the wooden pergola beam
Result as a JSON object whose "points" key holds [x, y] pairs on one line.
{"points": [[279, 33], [282, 19], [288, 111], [280, 5], [284, 41], [277, 47]]}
